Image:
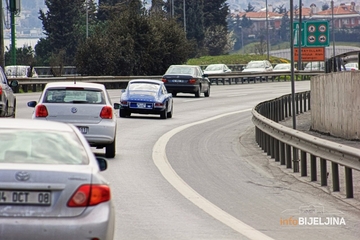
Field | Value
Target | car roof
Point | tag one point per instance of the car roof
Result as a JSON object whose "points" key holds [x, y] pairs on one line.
{"points": [[75, 84], [184, 66], [145, 81], [23, 123]]}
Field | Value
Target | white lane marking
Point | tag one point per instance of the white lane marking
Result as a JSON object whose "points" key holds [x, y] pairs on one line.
{"points": [[162, 163]]}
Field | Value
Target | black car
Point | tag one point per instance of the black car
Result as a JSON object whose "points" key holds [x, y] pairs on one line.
{"points": [[186, 79], [7, 96]]}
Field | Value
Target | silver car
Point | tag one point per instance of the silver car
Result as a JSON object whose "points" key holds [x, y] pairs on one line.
{"points": [[51, 186], [7, 96], [86, 105]]}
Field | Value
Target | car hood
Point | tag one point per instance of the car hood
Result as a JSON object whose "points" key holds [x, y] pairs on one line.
{"points": [[254, 70]]}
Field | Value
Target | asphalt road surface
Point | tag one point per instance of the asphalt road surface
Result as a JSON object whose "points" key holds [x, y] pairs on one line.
{"points": [[200, 175]]}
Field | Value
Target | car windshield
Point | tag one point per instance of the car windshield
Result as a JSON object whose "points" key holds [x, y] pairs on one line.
{"points": [[144, 88], [41, 147], [180, 70], [74, 95], [213, 68], [255, 65]]}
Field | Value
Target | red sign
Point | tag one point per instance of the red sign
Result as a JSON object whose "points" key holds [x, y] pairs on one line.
{"points": [[310, 54]]}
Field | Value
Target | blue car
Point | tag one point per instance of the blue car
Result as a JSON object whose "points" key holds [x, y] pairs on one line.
{"points": [[145, 96]]}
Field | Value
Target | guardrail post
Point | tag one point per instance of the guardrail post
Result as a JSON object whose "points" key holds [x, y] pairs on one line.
{"points": [[301, 102], [335, 176], [313, 168], [309, 100], [282, 109], [289, 105], [286, 106], [349, 183], [223, 81], [296, 159], [277, 154], [305, 99], [270, 147], [263, 140], [288, 156], [282, 153], [303, 164], [323, 172], [297, 103]]}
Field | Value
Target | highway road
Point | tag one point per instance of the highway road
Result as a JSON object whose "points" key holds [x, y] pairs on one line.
{"points": [[200, 175]]}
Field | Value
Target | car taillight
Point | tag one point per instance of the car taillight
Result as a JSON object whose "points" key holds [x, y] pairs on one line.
{"points": [[159, 104], [192, 81], [41, 111], [0, 90], [89, 195], [124, 103], [164, 80], [106, 112]]}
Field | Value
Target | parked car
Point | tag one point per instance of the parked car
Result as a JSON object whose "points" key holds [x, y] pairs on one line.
{"points": [[351, 66], [86, 105], [51, 186], [282, 67], [257, 66], [146, 96], [20, 71], [217, 69], [7, 96], [186, 79]]}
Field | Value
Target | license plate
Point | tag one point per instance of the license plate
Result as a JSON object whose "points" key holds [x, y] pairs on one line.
{"points": [[141, 105], [25, 197], [83, 130], [177, 81]]}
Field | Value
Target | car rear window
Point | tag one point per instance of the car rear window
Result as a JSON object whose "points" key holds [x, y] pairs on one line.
{"points": [[180, 70], [74, 95], [41, 147]]}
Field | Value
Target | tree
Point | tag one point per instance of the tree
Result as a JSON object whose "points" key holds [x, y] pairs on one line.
{"points": [[281, 9], [325, 6], [284, 31], [215, 13], [61, 27], [250, 8], [24, 56]]}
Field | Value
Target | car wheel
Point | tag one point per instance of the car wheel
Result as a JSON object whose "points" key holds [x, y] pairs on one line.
{"points": [[169, 114], [110, 150], [4, 113], [123, 113], [163, 114], [207, 93], [14, 111], [197, 94]]}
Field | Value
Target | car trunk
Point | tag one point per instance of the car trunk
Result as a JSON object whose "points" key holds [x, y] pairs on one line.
{"points": [[33, 190], [178, 79]]}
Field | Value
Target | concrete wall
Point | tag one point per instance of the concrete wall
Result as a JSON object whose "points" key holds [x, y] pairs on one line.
{"points": [[335, 104]]}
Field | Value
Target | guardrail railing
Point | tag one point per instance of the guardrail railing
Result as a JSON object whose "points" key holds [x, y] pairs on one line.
{"points": [[114, 82], [283, 144]]}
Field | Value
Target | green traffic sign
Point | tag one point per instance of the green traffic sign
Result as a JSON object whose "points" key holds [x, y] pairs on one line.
{"points": [[313, 34]]}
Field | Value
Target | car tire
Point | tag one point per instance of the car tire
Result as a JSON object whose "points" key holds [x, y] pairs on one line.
{"points": [[110, 150], [169, 114], [197, 94], [207, 93], [163, 114], [4, 113], [123, 113]]}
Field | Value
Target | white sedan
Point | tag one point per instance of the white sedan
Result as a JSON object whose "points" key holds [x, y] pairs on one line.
{"points": [[86, 105]]}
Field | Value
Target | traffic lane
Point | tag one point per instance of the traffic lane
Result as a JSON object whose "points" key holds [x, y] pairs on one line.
{"points": [[147, 206], [221, 161]]}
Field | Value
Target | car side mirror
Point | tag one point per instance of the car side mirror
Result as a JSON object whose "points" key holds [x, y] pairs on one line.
{"points": [[122, 90], [102, 163], [116, 106], [14, 83], [32, 104], [205, 75]]}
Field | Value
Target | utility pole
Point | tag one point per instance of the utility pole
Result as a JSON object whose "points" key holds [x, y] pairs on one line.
{"points": [[184, 16], [2, 49], [14, 8]]}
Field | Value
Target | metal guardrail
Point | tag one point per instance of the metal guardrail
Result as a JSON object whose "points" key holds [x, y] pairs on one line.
{"points": [[114, 82], [283, 143]]}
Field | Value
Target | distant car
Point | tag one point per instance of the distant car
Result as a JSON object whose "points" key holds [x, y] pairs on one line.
{"points": [[186, 79], [86, 105], [51, 186], [7, 96], [351, 66], [257, 66], [315, 66], [20, 71], [282, 67], [217, 69], [146, 96]]}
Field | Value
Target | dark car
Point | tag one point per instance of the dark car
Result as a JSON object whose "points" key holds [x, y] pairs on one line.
{"points": [[186, 79], [145, 96], [7, 96]]}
